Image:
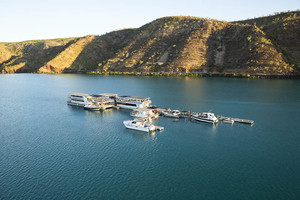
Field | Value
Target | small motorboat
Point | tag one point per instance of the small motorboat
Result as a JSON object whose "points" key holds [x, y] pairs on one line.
{"points": [[205, 117], [139, 125], [171, 113]]}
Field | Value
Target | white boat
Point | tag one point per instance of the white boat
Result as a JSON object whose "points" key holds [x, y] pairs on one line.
{"points": [[139, 125], [205, 117], [171, 113], [79, 99], [144, 113], [133, 102]]}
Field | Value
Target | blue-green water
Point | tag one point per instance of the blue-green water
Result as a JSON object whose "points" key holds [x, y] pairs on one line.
{"points": [[49, 150]]}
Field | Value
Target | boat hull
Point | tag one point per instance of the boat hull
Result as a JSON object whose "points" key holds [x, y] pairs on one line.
{"points": [[127, 106], [91, 109], [76, 104], [200, 119], [170, 115]]}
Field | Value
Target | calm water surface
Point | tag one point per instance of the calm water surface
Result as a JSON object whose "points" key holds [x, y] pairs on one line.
{"points": [[49, 150]]}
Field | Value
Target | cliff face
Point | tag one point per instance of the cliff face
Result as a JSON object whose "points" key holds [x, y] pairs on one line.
{"points": [[267, 45]]}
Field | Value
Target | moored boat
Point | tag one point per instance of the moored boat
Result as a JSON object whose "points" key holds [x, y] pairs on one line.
{"points": [[139, 125], [105, 101], [171, 113], [205, 117], [79, 99], [133, 102]]}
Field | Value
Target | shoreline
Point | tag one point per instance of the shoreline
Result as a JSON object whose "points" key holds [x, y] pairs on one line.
{"points": [[175, 74], [199, 74]]}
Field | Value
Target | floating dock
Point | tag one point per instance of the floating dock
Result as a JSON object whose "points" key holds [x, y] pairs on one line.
{"points": [[235, 120], [108, 100], [230, 120]]}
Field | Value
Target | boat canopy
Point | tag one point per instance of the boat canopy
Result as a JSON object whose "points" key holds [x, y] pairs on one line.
{"points": [[80, 95], [135, 97], [108, 95]]}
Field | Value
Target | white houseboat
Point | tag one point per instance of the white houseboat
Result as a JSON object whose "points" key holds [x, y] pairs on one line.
{"points": [[102, 101], [79, 99], [133, 102], [205, 117]]}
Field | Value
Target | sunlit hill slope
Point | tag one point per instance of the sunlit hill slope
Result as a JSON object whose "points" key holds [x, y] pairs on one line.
{"points": [[267, 45]]}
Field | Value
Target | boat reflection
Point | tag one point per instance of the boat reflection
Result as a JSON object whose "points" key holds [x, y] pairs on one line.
{"points": [[141, 135]]}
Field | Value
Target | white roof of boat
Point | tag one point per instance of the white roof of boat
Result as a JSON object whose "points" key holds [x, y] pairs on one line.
{"points": [[80, 94], [108, 94], [135, 97], [140, 119], [142, 109]]}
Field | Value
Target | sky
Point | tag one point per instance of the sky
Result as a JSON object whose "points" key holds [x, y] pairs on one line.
{"points": [[22, 20]]}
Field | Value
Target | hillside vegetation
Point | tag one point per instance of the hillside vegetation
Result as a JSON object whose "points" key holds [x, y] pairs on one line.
{"points": [[267, 45]]}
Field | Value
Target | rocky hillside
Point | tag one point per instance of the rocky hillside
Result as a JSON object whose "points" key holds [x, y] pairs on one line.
{"points": [[267, 45]]}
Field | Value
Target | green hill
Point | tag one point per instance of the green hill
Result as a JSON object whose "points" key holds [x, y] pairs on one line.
{"points": [[267, 45]]}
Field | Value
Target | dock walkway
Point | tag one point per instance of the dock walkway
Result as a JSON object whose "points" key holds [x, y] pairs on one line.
{"points": [[187, 114], [244, 121]]}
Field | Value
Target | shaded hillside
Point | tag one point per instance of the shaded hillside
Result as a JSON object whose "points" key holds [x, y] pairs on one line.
{"points": [[271, 19], [268, 45], [87, 52], [283, 30], [30, 55]]}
